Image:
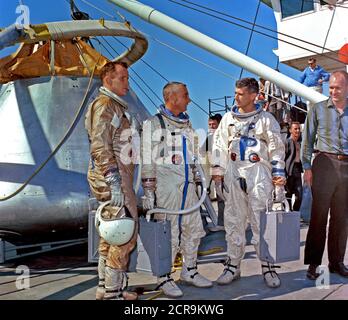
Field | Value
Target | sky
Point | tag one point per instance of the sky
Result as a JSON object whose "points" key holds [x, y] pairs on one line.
{"points": [[203, 83]]}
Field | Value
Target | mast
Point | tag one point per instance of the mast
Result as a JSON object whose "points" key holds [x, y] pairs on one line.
{"points": [[171, 25]]}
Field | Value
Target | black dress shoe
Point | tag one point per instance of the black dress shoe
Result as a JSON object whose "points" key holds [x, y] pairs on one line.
{"points": [[339, 268], [312, 273]]}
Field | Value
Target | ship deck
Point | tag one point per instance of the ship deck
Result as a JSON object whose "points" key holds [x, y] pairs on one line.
{"points": [[66, 275]]}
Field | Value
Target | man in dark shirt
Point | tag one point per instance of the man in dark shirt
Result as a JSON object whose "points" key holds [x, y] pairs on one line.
{"points": [[326, 130]]}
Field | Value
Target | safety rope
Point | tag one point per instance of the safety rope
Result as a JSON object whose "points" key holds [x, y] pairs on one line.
{"points": [[65, 137]]}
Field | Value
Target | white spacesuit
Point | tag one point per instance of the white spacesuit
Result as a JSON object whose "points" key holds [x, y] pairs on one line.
{"points": [[248, 152], [167, 172]]}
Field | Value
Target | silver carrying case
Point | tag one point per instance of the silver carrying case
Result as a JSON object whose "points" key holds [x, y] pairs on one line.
{"points": [[156, 239], [153, 252], [279, 233]]}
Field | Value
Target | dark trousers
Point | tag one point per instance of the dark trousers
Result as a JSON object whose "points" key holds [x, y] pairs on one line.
{"points": [[294, 186], [330, 192], [221, 209]]}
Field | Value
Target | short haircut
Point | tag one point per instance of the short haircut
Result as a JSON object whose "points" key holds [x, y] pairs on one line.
{"points": [[170, 87], [312, 60], [250, 83], [110, 67], [294, 122], [344, 74], [216, 117]]}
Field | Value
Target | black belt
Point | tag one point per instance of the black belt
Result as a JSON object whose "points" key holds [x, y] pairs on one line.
{"points": [[341, 157]]}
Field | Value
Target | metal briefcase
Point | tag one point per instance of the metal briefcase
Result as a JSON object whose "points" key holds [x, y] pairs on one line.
{"points": [[279, 234], [156, 239]]}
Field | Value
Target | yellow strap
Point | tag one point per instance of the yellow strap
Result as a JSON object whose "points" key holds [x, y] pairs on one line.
{"points": [[210, 251]]}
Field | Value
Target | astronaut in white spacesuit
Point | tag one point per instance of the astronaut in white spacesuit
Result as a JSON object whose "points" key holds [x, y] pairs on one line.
{"points": [[169, 177], [248, 161]]}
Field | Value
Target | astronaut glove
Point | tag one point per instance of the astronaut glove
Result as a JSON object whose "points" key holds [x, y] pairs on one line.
{"points": [[221, 187], [148, 199], [117, 196]]}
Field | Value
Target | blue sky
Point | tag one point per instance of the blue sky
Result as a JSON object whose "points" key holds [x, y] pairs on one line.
{"points": [[203, 83]]}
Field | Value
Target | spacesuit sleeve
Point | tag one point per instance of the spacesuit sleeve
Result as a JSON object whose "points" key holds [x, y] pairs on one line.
{"points": [[220, 148], [147, 148], [309, 136], [276, 148], [101, 136]]}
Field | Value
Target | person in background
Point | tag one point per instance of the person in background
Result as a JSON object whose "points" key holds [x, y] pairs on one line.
{"points": [[313, 76], [213, 123], [326, 132], [277, 98], [261, 97], [293, 166], [284, 131]]}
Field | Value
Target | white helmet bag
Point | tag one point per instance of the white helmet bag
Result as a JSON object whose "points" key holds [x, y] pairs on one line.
{"points": [[116, 230]]}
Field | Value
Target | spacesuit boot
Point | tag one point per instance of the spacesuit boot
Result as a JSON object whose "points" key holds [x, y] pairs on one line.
{"points": [[167, 285], [190, 275], [270, 276], [101, 274], [113, 286], [230, 273]]}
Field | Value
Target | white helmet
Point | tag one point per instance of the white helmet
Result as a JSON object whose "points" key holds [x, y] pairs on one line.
{"points": [[116, 230]]}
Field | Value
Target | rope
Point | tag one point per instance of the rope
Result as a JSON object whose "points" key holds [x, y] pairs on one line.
{"points": [[259, 26], [153, 69], [251, 35], [111, 55], [98, 9], [328, 31], [192, 58], [132, 78], [236, 18], [65, 137], [137, 74], [195, 103]]}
